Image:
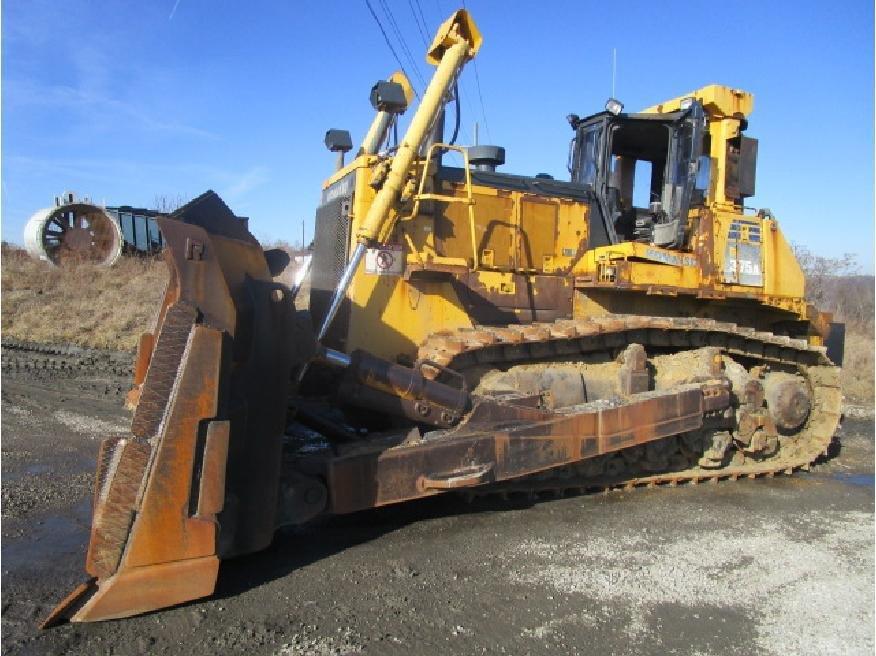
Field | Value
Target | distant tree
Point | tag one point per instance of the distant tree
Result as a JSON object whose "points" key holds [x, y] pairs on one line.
{"points": [[167, 204], [835, 284], [820, 270]]}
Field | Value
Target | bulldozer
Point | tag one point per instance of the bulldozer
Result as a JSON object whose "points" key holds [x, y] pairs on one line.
{"points": [[468, 331]]}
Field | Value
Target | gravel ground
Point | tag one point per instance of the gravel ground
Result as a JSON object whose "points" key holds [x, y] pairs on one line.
{"points": [[753, 567]]}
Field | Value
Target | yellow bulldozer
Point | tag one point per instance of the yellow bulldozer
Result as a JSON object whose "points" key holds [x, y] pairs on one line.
{"points": [[469, 331]]}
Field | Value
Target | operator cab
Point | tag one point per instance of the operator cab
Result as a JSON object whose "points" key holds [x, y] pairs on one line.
{"points": [[645, 171]]}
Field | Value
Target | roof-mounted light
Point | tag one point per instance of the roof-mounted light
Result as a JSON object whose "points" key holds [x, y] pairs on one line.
{"points": [[338, 141], [387, 96], [614, 106]]}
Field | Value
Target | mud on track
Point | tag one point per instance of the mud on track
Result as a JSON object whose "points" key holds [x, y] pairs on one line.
{"points": [[752, 567]]}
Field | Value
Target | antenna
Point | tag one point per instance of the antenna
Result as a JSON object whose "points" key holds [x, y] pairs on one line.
{"points": [[613, 69]]}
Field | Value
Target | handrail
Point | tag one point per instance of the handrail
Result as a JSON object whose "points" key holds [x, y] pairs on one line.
{"points": [[468, 200]]}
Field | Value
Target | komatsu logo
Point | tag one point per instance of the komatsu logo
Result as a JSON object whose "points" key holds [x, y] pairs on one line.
{"points": [[668, 257], [343, 187]]}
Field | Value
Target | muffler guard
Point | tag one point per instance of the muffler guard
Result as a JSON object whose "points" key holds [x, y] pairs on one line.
{"points": [[197, 478]]}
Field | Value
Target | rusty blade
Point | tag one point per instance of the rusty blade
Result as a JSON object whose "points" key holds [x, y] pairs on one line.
{"points": [[208, 424], [120, 477], [69, 604]]}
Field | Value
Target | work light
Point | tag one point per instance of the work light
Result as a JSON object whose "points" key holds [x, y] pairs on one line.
{"points": [[614, 106]]}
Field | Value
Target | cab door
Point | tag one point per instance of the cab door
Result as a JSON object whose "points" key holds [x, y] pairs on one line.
{"points": [[682, 167], [589, 167]]}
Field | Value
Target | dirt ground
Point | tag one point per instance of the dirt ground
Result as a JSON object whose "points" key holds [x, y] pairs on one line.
{"points": [[754, 567]]}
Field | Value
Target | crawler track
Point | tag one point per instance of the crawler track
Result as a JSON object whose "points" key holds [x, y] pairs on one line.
{"points": [[29, 356], [564, 340], [82, 371]]}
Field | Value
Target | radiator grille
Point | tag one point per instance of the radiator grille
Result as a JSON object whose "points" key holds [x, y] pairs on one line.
{"points": [[330, 252]]}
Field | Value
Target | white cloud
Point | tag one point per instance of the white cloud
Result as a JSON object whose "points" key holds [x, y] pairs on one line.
{"points": [[95, 108], [245, 183], [173, 11]]}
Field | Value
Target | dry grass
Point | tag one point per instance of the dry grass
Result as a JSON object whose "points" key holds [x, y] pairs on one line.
{"points": [[82, 304], [857, 377]]}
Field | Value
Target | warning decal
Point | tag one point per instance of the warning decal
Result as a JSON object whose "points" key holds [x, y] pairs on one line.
{"points": [[387, 260]]}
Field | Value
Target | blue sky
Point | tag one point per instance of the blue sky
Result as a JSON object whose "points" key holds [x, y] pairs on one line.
{"points": [[126, 101]]}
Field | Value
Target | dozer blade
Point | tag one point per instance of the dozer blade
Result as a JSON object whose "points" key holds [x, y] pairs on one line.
{"points": [[196, 479]]}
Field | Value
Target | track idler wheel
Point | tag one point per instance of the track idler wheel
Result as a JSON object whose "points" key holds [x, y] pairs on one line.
{"points": [[788, 400]]}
